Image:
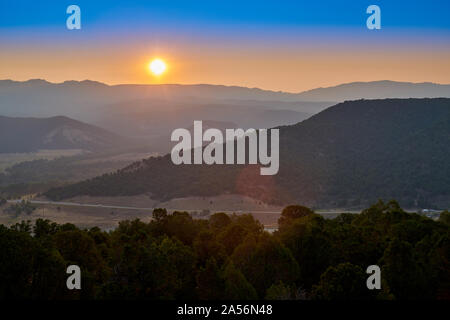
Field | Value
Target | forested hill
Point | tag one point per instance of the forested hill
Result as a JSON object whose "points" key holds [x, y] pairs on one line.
{"points": [[348, 155]]}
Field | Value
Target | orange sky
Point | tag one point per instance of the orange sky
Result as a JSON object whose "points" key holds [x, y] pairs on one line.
{"points": [[287, 68]]}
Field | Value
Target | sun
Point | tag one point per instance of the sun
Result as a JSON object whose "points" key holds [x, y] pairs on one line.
{"points": [[157, 67]]}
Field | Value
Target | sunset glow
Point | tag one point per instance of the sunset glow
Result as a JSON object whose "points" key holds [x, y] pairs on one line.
{"points": [[295, 50], [157, 67]]}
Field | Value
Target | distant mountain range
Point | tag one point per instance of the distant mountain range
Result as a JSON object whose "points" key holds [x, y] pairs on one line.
{"points": [[77, 99], [18, 135], [151, 111], [155, 110], [101, 93], [377, 90], [348, 155]]}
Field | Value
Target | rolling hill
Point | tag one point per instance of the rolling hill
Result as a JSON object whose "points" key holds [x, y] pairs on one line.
{"points": [[158, 118], [348, 155], [18, 135]]}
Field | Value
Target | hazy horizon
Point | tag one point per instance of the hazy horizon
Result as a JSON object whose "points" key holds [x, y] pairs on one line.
{"points": [[225, 85]]}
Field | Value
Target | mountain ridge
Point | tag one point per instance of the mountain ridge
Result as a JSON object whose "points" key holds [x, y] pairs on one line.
{"points": [[350, 154], [30, 134], [300, 93]]}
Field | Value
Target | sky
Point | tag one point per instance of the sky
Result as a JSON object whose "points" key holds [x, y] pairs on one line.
{"points": [[277, 45]]}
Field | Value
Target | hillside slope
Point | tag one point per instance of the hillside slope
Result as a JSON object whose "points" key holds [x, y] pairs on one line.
{"points": [[350, 154], [19, 135]]}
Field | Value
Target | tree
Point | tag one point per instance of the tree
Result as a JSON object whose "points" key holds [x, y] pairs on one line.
{"points": [[49, 274], [278, 291], [432, 255], [402, 272], [183, 258], [236, 285], [207, 247], [16, 263], [210, 283], [445, 217], [291, 213], [342, 282], [232, 236], [264, 260], [219, 221], [159, 214], [309, 242], [142, 270], [78, 248], [182, 226], [43, 228]]}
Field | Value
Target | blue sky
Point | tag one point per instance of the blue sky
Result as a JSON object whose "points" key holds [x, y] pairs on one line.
{"points": [[432, 14]]}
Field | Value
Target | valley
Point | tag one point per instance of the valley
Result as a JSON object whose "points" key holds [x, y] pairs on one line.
{"points": [[105, 213]]}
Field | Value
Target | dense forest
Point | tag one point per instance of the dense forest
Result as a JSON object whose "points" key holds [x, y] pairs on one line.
{"points": [[348, 155], [63, 169], [36, 176], [232, 257]]}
